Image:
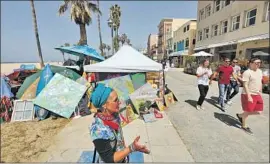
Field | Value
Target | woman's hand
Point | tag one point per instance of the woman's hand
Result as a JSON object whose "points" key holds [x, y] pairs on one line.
{"points": [[138, 147]]}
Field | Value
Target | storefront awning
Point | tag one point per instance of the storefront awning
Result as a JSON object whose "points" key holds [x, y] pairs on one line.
{"points": [[252, 38], [200, 48], [179, 53], [222, 44]]}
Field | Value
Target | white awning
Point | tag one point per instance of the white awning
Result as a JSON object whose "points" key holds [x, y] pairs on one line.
{"points": [[200, 48], [179, 53], [252, 38], [222, 44]]}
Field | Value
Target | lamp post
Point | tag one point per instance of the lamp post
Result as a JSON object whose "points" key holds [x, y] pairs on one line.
{"points": [[110, 24]]}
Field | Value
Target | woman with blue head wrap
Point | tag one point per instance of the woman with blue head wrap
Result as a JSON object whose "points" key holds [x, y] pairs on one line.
{"points": [[106, 131]]}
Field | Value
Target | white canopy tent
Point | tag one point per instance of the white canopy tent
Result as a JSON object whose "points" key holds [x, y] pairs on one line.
{"points": [[127, 59], [260, 53], [202, 53]]}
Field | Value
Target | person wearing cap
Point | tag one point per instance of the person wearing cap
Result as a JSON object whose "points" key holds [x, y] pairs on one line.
{"points": [[251, 98], [106, 131]]}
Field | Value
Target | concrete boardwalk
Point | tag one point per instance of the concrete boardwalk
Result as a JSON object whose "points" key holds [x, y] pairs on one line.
{"points": [[160, 137], [212, 135]]}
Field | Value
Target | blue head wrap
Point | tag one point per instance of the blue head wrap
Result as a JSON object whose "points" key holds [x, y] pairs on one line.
{"points": [[100, 95]]}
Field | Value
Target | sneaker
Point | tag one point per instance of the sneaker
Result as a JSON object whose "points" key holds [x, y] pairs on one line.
{"points": [[198, 107], [202, 108], [229, 102], [223, 108]]}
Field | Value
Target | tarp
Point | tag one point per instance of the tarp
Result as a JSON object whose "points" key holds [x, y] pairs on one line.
{"points": [[45, 76], [127, 59], [82, 50], [55, 69], [5, 89]]}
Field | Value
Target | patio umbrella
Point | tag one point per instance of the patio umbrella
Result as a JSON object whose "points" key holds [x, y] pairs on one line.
{"points": [[55, 69], [82, 51], [202, 53], [260, 53]]}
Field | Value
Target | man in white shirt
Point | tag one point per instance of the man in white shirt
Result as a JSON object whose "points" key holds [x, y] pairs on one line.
{"points": [[251, 98]]}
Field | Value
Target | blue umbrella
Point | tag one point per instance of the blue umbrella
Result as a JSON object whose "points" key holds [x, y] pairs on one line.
{"points": [[82, 50]]}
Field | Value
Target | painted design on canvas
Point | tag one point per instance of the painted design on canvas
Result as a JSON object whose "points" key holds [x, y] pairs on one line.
{"points": [[138, 80], [30, 92], [61, 95], [169, 99], [123, 87]]}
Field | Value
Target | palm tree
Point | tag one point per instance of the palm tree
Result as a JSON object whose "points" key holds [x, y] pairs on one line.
{"points": [[115, 15], [81, 13], [36, 33], [99, 29], [103, 48]]}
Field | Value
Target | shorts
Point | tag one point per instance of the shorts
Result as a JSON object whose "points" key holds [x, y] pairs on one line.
{"points": [[255, 106]]}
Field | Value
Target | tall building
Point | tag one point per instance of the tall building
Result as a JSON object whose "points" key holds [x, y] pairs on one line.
{"points": [[165, 32], [183, 42], [152, 46], [232, 28]]}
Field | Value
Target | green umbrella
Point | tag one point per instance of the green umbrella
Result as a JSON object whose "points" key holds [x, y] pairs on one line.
{"points": [[55, 69]]}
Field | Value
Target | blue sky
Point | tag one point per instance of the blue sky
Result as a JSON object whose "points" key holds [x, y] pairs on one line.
{"points": [[138, 20]]}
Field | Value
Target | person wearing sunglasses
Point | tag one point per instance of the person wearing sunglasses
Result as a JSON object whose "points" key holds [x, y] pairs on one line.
{"points": [[224, 71], [234, 83], [251, 98], [106, 131]]}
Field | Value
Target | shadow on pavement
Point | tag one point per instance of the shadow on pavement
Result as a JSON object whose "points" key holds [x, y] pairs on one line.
{"points": [[213, 100], [191, 102], [228, 120]]}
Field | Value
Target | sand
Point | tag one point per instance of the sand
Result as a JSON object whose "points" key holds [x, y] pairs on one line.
{"points": [[26, 141]]}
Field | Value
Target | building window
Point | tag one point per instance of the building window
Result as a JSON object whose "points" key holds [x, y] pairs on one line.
{"points": [[217, 5], [208, 11], [201, 16], [206, 33], [267, 12], [187, 27], [215, 30], [235, 22], [187, 43], [200, 36], [251, 17], [184, 29], [227, 2], [224, 27]]}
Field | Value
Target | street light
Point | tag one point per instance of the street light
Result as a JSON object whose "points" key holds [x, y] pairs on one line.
{"points": [[111, 25]]}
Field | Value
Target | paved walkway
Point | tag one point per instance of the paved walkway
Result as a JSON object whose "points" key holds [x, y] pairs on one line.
{"points": [[160, 136], [213, 135]]}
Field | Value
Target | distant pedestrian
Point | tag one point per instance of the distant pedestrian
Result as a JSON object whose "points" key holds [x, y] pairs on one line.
{"points": [[234, 83], [224, 71], [251, 98], [203, 74]]}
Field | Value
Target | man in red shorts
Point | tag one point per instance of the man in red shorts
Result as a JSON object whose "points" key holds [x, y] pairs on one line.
{"points": [[251, 98]]}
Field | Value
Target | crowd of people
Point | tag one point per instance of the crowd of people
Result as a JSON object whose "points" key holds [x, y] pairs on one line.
{"points": [[229, 80]]}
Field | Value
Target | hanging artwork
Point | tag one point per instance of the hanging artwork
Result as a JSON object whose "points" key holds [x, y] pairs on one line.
{"points": [[138, 80], [61, 95]]}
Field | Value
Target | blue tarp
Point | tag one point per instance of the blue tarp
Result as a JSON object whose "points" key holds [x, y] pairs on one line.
{"points": [[81, 51], [5, 89]]}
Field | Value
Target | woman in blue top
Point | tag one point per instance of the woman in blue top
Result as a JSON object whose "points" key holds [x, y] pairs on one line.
{"points": [[106, 131]]}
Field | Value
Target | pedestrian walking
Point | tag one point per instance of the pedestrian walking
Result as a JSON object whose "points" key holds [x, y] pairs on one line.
{"points": [[251, 98], [203, 74], [234, 83], [224, 71]]}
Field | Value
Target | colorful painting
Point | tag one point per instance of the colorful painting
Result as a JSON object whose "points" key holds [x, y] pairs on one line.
{"points": [[127, 115], [143, 94], [138, 80], [123, 86], [61, 95], [169, 99]]}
